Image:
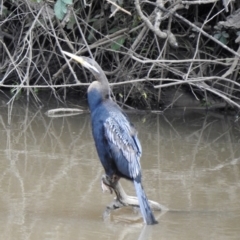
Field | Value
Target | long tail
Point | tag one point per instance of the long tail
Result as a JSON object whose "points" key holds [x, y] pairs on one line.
{"points": [[146, 211]]}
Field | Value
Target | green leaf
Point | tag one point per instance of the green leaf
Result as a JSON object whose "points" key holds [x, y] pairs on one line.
{"points": [[60, 8], [223, 40], [69, 2], [225, 34], [118, 43], [217, 35]]}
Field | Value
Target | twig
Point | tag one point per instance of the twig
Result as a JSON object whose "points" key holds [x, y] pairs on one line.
{"points": [[59, 46], [158, 32], [233, 65], [197, 45], [205, 87], [197, 28], [118, 8], [107, 39], [87, 4], [199, 2], [173, 82], [221, 61], [64, 33], [83, 36], [52, 86], [195, 54], [193, 80]]}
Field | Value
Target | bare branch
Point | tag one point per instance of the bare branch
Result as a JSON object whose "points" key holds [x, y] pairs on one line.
{"points": [[118, 8]]}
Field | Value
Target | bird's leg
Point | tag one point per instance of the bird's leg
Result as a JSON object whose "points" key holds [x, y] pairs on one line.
{"points": [[105, 184], [122, 199], [109, 184]]}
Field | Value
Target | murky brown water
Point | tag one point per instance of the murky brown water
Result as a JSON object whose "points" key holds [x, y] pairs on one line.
{"points": [[50, 178]]}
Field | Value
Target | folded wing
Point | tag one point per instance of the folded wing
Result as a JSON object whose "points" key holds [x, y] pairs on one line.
{"points": [[124, 145]]}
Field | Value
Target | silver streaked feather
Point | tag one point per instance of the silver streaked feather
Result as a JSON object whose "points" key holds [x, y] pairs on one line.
{"points": [[123, 136]]}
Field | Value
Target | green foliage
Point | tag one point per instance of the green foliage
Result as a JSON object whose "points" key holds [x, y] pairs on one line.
{"points": [[222, 36], [118, 43], [60, 8]]}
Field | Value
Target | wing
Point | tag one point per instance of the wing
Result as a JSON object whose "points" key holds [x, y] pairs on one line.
{"points": [[124, 145]]}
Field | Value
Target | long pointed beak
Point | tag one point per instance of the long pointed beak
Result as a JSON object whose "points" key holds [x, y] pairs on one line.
{"points": [[81, 60]]}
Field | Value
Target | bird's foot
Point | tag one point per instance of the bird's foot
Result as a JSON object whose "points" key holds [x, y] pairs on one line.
{"points": [[122, 199], [109, 183], [105, 185]]}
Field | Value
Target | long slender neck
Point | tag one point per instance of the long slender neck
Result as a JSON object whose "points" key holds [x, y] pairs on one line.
{"points": [[101, 77], [99, 90]]}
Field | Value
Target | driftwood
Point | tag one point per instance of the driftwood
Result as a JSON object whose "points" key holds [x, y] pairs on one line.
{"points": [[122, 199], [64, 112]]}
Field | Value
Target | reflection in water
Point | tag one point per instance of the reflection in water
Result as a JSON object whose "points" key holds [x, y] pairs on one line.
{"points": [[50, 178]]}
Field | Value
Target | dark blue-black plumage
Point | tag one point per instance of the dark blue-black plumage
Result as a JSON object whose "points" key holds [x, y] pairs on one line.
{"points": [[115, 137]]}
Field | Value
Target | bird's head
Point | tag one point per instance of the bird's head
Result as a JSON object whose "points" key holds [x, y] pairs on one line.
{"points": [[86, 62], [98, 90]]}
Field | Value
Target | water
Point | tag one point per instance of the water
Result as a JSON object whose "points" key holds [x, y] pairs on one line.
{"points": [[50, 178]]}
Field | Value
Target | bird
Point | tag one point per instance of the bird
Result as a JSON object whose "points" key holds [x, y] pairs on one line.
{"points": [[115, 137]]}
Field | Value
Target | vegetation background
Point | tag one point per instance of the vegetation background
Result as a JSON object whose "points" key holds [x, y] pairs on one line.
{"points": [[156, 54]]}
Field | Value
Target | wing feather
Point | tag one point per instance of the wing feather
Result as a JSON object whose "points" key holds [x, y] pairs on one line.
{"points": [[124, 144]]}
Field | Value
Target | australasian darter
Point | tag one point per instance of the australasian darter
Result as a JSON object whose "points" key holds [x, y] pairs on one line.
{"points": [[115, 138]]}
